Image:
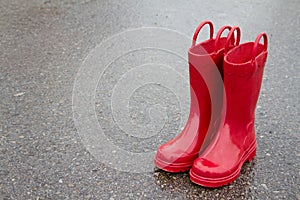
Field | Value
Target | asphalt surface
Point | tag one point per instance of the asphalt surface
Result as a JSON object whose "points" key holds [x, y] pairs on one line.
{"points": [[43, 45]]}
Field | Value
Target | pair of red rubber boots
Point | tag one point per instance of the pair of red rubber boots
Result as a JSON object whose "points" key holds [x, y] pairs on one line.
{"points": [[219, 136]]}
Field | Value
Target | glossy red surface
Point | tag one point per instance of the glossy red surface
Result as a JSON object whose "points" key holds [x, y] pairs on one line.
{"points": [[235, 142], [205, 64]]}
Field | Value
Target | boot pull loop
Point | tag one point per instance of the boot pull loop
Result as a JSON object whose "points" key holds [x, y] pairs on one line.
{"points": [[222, 29], [255, 46], [211, 28], [230, 38]]}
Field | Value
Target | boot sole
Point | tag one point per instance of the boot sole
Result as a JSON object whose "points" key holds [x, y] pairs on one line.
{"points": [[222, 181], [172, 167]]}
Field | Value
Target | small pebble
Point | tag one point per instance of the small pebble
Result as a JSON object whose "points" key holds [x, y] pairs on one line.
{"points": [[70, 185], [264, 186], [19, 94]]}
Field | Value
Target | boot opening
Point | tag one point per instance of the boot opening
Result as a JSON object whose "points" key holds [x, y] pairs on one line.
{"points": [[208, 47], [243, 53]]}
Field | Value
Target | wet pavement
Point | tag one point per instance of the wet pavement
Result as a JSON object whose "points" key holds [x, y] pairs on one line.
{"points": [[43, 46]]}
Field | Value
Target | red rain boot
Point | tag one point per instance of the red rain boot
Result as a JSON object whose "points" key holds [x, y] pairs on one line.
{"points": [[205, 59], [235, 142]]}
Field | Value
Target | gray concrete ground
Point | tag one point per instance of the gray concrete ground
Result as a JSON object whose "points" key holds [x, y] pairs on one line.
{"points": [[43, 45]]}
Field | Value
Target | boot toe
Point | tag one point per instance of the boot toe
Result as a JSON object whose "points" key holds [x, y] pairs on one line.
{"points": [[208, 169], [173, 160], [169, 155]]}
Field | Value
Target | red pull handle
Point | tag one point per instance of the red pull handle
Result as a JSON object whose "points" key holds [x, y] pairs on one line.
{"points": [[255, 46], [222, 29], [231, 39], [211, 27]]}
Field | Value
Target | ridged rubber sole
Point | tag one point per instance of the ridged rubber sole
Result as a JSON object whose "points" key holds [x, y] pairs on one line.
{"points": [[173, 167], [222, 181]]}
